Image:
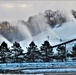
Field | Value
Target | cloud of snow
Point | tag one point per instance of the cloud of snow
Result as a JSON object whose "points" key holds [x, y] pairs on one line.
{"points": [[23, 29], [4, 39]]}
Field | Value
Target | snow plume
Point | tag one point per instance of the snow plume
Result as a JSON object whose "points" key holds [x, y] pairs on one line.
{"points": [[25, 43], [23, 29], [40, 38], [4, 39], [37, 24]]}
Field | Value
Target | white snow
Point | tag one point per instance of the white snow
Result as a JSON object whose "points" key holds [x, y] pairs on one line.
{"points": [[50, 70], [55, 67], [53, 37], [24, 44], [37, 23], [4, 39], [65, 32], [52, 65]]}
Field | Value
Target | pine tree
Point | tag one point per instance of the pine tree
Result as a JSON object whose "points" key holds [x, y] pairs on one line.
{"points": [[74, 52], [46, 52], [33, 53], [17, 53], [61, 53], [4, 53]]}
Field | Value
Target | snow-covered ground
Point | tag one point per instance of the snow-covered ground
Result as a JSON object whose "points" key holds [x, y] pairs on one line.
{"points": [[53, 67], [50, 71], [50, 65], [67, 31]]}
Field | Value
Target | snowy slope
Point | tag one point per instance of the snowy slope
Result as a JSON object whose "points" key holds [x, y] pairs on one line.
{"points": [[67, 31], [53, 38]]}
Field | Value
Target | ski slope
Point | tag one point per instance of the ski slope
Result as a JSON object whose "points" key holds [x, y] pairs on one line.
{"points": [[53, 37], [65, 32]]}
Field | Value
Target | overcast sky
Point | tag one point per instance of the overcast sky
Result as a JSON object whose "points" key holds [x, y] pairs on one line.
{"points": [[21, 10]]}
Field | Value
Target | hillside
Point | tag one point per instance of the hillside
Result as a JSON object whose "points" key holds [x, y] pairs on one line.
{"points": [[65, 32]]}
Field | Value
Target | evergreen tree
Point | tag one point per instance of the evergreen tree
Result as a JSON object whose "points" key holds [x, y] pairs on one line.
{"points": [[4, 53], [46, 52], [61, 53], [73, 53], [17, 53], [33, 53]]}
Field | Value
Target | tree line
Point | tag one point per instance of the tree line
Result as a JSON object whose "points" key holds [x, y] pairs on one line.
{"points": [[45, 53]]}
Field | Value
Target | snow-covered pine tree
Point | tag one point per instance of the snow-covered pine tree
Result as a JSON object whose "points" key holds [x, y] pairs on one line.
{"points": [[4, 53], [17, 53], [46, 52], [61, 54], [33, 54], [73, 53]]}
